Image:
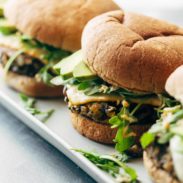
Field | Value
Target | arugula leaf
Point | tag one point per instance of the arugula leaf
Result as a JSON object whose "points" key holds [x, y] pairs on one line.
{"points": [[98, 86], [112, 164], [45, 75], [167, 101], [29, 102], [166, 127], [130, 94], [122, 157], [84, 85], [125, 137], [164, 138], [115, 121], [51, 53], [30, 106], [11, 60], [126, 168], [93, 91], [146, 139]]}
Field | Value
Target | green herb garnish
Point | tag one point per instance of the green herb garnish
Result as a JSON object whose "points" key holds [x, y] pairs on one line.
{"points": [[112, 164], [167, 101], [125, 137], [51, 53], [146, 139], [45, 74], [165, 128], [30, 106], [11, 60]]}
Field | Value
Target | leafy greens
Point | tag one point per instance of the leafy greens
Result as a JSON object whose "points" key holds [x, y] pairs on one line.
{"points": [[112, 164], [166, 127], [50, 54], [11, 60], [30, 106], [125, 137]]}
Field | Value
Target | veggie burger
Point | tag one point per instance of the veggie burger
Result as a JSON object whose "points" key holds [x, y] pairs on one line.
{"points": [[114, 84], [37, 34], [163, 143]]}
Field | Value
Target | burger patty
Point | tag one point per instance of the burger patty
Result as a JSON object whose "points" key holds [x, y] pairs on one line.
{"points": [[23, 64], [101, 112], [161, 157]]}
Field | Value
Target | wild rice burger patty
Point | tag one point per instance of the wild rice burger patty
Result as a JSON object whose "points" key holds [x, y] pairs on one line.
{"points": [[101, 112], [23, 64], [161, 158]]}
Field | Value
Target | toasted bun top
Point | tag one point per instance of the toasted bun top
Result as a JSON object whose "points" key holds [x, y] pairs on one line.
{"points": [[132, 51], [174, 84], [55, 22]]}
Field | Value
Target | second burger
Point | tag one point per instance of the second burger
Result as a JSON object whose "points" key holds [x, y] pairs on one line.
{"points": [[118, 78], [47, 31]]}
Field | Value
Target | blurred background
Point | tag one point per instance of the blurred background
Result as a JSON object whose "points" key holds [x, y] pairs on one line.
{"points": [[170, 10]]}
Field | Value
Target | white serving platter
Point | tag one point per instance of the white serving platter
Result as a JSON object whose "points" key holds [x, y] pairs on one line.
{"points": [[59, 132]]}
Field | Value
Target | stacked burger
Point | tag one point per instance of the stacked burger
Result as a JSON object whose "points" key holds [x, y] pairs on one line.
{"points": [[115, 83], [163, 143], [37, 34]]}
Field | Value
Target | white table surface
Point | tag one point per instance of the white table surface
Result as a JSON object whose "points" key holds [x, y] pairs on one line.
{"points": [[27, 158]]}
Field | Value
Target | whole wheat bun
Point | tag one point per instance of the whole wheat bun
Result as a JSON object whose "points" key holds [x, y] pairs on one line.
{"points": [[132, 51], [30, 87], [56, 22], [102, 133], [174, 84], [158, 175]]}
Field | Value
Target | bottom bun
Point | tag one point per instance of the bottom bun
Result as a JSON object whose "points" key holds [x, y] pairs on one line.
{"points": [[95, 131], [31, 87], [158, 175], [102, 133]]}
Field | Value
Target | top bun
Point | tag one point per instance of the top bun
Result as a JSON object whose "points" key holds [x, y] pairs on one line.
{"points": [[132, 51], [174, 84], [55, 22]]}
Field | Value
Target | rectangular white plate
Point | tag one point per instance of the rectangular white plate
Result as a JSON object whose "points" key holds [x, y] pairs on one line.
{"points": [[58, 129], [59, 132]]}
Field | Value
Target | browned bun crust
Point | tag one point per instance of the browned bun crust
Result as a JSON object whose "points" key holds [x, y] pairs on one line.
{"points": [[158, 175], [133, 51], [95, 131], [174, 84], [55, 22], [102, 133], [31, 87]]}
